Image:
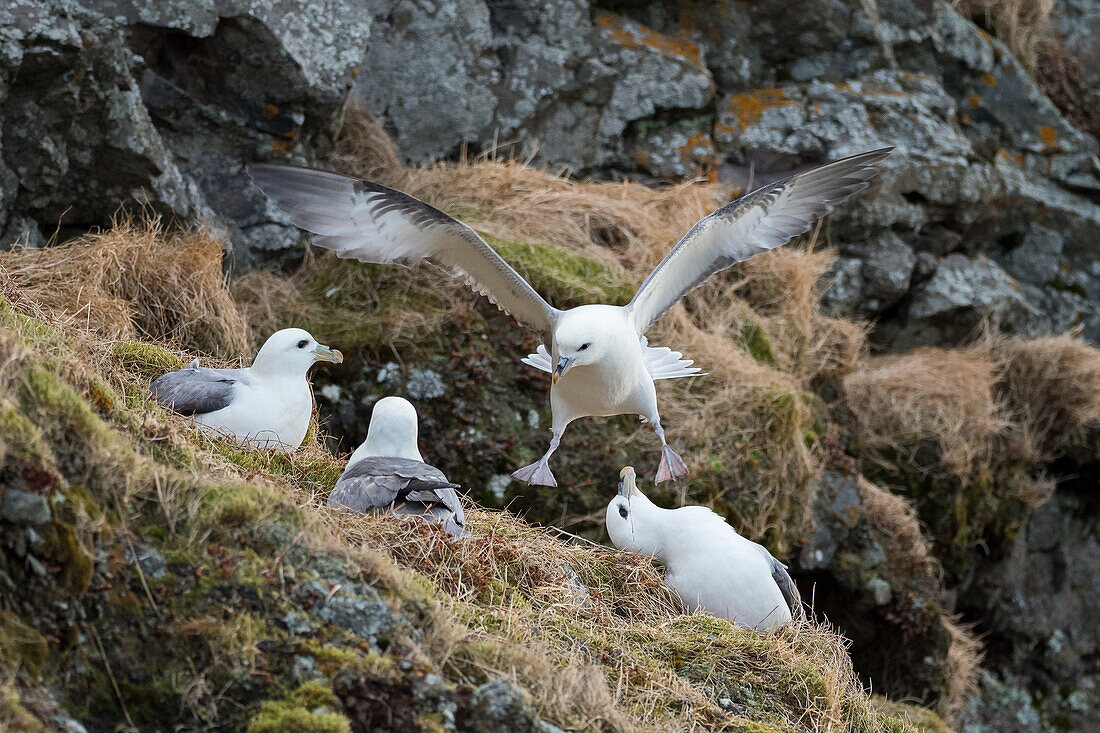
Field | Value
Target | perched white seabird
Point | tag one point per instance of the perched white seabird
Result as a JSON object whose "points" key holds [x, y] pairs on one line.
{"points": [[266, 405], [597, 354], [387, 473], [710, 566]]}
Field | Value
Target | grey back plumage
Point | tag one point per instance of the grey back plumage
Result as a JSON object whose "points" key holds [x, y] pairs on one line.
{"points": [[196, 390], [408, 487]]}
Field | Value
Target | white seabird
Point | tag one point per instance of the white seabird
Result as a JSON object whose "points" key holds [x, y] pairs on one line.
{"points": [[266, 405], [711, 567], [387, 473], [597, 354]]}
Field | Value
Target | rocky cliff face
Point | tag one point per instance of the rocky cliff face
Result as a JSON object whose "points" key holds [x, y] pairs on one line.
{"points": [[987, 213]]}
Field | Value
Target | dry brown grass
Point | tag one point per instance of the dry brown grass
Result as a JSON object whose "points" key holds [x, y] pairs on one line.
{"points": [[907, 548], [929, 396], [136, 279], [1020, 24], [1051, 389], [596, 636], [964, 665]]}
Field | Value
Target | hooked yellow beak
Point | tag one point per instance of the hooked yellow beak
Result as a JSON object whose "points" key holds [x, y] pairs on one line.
{"points": [[326, 353], [561, 368], [626, 481]]}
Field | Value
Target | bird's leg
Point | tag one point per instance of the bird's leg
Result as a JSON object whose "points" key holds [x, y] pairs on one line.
{"points": [[671, 466], [539, 473]]}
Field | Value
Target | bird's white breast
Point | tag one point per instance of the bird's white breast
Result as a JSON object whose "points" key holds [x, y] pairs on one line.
{"points": [[268, 413], [618, 383]]}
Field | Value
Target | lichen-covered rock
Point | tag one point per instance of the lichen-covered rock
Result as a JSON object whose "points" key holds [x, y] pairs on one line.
{"points": [[961, 294], [78, 139], [1039, 598], [111, 102], [873, 576], [436, 56]]}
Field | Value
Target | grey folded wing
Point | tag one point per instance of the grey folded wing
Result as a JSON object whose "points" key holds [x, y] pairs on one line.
{"points": [[787, 587], [195, 390], [410, 487]]}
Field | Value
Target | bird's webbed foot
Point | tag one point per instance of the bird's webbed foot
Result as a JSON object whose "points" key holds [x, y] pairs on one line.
{"points": [[671, 466], [538, 473]]}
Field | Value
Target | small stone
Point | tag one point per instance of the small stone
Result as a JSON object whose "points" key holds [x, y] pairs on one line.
{"points": [[19, 507], [425, 384], [298, 623], [151, 562], [36, 567], [304, 668], [879, 590], [366, 616]]}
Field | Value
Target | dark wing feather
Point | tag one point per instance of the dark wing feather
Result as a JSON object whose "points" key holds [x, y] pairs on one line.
{"points": [[372, 223], [787, 587], [410, 487], [194, 390], [767, 218]]}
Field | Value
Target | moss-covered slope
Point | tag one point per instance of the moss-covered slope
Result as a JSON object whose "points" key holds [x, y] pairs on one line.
{"points": [[159, 580]]}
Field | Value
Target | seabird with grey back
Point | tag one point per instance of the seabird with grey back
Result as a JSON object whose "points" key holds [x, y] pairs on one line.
{"points": [[710, 566], [266, 405], [597, 355], [387, 473]]}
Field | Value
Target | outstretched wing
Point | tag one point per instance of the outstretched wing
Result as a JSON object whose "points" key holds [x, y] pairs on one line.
{"points": [[194, 390], [765, 219], [372, 223]]}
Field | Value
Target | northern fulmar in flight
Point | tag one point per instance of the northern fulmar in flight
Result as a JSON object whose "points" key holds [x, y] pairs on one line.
{"points": [[387, 473], [710, 566], [597, 355], [266, 405]]}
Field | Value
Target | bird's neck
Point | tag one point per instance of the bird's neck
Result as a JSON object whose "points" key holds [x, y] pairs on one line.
{"points": [[386, 446], [277, 372], [654, 539]]}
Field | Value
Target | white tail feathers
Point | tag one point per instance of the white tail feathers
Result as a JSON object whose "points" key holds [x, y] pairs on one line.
{"points": [[661, 363]]}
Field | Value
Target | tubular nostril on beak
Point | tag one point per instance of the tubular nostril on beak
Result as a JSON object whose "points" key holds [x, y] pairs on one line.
{"points": [[561, 367]]}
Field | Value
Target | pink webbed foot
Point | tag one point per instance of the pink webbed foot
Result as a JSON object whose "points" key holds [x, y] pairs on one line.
{"points": [[672, 466], [538, 474]]}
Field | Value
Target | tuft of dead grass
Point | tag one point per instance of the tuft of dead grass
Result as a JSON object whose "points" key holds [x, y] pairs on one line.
{"points": [[136, 279], [1020, 24], [1050, 388], [895, 517], [930, 396], [964, 667]]}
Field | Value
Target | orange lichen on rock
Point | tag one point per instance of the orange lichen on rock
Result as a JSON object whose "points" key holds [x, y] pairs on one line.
{"points": [[975, 101], [989, 80], [1048, 135], [747, 109], [636, 35]]}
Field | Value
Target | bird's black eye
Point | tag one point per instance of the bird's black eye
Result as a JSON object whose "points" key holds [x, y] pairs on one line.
{"points": [[583, 347], [622, 511], [303, 343]]}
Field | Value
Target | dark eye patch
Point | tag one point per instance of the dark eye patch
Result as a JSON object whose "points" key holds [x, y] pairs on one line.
{"points": [[583, 347], [302, 344], [622, 511]]}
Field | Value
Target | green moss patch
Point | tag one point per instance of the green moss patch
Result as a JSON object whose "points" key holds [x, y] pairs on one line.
{"points": [[565, 278]]}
